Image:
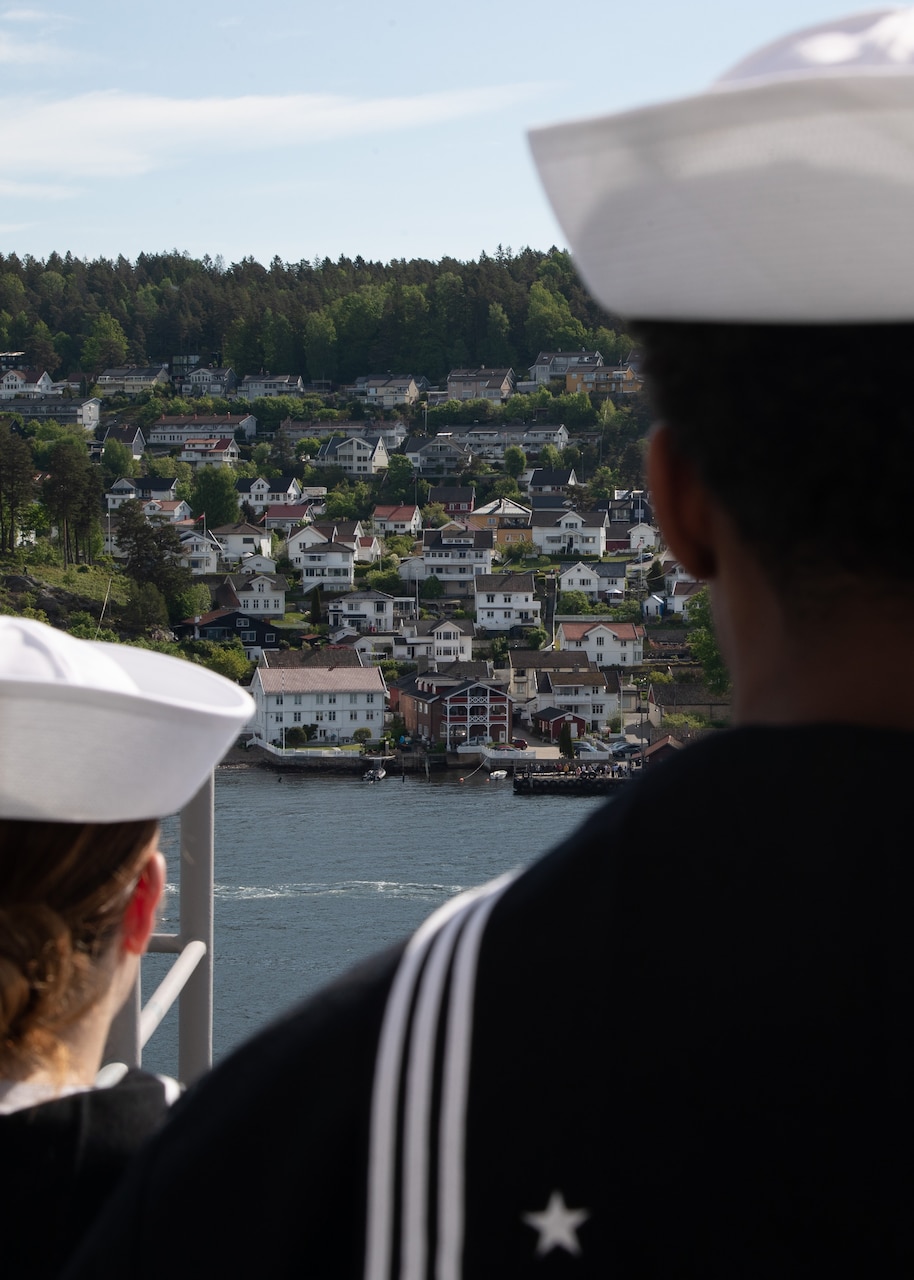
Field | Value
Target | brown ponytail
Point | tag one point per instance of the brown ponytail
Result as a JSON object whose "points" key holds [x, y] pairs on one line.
{"points": [[63, 890]]}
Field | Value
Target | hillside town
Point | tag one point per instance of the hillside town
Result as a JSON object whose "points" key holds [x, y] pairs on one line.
{"points": [[383, 561]]}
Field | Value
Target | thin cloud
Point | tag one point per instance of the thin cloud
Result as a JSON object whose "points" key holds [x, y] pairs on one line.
{"points": [[15, 52], [36, 191], [115, 133]]}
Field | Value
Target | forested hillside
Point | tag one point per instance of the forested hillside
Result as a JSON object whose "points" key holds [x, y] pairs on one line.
{"points": [[324, 320]]}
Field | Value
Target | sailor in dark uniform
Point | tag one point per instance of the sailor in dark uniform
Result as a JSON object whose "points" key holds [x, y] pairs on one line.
{"points": [[681, 1043]]}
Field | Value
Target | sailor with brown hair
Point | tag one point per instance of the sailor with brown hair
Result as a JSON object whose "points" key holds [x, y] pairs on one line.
{"points": [[680, 1044], [85, 771]]}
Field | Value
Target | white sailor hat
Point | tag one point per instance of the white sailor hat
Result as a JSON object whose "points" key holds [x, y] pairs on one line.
{"points": [[783, 194], [94, 732]]}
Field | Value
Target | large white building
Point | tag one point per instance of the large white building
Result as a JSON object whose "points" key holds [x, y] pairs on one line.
{"points": [[336, 700]]}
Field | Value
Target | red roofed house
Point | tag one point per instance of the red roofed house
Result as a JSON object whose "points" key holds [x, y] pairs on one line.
{"points": [[608, 644]]}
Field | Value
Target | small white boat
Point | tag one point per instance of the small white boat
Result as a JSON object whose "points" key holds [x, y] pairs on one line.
{"points": [[375, 775], [497, 774]]}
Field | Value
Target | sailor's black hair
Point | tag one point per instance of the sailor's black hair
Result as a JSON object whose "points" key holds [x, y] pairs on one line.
{"points": [[805, 435]]}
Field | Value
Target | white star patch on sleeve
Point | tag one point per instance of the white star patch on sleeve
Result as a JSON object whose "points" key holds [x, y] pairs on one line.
{"points": [[557, 1225]]}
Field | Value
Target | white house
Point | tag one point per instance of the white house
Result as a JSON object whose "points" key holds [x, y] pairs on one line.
{"points": [[588, 694], [363, 611], [357, 455], [556, 364], [260, 494], [336, 700], [506, 600], [434, 640], [221, 452], [643, 536], [603, 580], [257, 386], [608, 644], [199, 552], [173, 429], [574, 533], [455, 556], [238, 540], [325, 563], [171, 509], [405, 519], [263, 594]]}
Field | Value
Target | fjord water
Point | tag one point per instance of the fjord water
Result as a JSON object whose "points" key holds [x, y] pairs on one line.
{"points": [[314, 874]]}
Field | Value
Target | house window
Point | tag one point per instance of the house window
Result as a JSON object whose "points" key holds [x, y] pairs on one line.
{"points": [[319, 700], [353, 715], [331, 698], [278, 702], [369, 698], [369, 715], [296, 716], [600, 641], [331, 715], [297, 699], [353, 699]]}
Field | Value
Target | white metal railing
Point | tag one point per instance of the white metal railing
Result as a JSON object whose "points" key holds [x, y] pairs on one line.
{"points": [[190, 978]]}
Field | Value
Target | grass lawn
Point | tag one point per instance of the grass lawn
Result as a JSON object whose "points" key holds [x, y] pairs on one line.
{"points": [[86, 580]]}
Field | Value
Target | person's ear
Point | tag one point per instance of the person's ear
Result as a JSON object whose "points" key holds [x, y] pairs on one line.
{"points": [[683, 506], [140, 913]]}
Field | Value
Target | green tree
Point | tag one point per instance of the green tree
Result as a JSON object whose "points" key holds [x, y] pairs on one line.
{"points": [[703, 641], [432, 588], [549, 457], [433, 515], [227, 658], [505, 487], [106, 345], [146, 606], [72, 494], [152, 552], [385, 580], [536, 637], [515, 460], [16, 485], [399, 482], [214, 495], [117, 461], [192, 601], [572, 602], [566, 742], [550, 325]]}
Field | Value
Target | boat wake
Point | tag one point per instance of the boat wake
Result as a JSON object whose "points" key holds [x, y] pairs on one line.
{"points": [[339, 889]]}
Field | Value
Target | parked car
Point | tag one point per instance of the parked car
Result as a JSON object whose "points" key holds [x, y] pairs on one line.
{"points": [[580, 747], [520, 743], [622, 750]]}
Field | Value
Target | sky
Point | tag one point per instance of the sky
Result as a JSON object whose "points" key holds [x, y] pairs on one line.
{"points": [[386, 128]]}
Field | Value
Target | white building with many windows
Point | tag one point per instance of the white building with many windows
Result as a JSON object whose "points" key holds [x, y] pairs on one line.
{"points": [[336, 700]]}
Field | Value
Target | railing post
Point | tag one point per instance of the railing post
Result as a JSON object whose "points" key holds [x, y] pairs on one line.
{"points": [[195, 1014]]}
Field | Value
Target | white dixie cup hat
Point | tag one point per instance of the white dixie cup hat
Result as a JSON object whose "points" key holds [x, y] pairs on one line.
{"points": [[784, 194], [93, 732]]}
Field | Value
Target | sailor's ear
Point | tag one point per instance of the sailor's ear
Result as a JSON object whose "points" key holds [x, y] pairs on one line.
{"points": [[683, 505], [140, 912]]}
